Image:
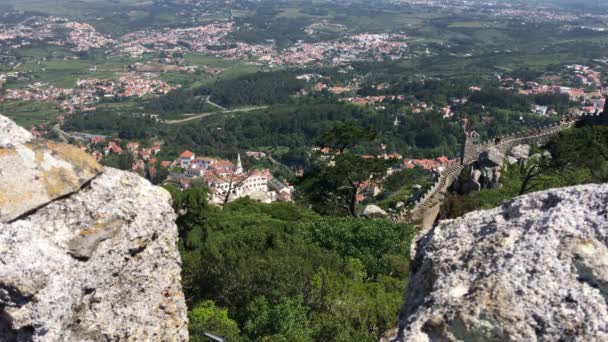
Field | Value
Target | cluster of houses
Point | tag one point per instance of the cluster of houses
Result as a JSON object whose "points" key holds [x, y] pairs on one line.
{"points": [[364, 100], [589, 99], [212, 39], [208, 39], [588, 102], [342, 51], [436, 165], [586, 75], [228, 181], [55, 31], [88, 92], [144, 158]]}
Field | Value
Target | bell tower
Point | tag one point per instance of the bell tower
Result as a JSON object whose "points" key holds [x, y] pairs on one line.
{"points": [[239, 165]]}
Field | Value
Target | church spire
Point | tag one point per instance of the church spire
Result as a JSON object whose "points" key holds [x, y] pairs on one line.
{"points": [[239, 165]]}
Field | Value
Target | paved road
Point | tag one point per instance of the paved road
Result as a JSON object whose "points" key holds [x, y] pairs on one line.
{"points": [[192, 117], [215, 104]]}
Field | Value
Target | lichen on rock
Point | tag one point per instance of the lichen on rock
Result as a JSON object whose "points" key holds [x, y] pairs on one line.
{"points": [[34, 172], [534, 269]]}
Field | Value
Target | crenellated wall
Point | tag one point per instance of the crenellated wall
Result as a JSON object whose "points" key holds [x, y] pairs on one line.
{"points": [[426, 208]]}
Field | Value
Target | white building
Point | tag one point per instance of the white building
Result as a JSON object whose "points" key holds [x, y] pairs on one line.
{"points": [[253, 184], [227, 180], [185, 159]]}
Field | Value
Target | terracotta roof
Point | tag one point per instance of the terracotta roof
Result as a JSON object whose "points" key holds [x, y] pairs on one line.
{"points": [[223, 164], [186, 154], [442, 159]]}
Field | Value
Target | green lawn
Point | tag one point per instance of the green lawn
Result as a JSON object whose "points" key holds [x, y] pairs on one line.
{"points": [[200, 59], [64, 74], [232, 69], [472, 24], [294, 12], [27, 114]]}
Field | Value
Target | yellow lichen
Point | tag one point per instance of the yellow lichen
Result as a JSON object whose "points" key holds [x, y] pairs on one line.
{"points": [[39, 156], [13, 198], [59, 181], [7, 152], [80, 160]]}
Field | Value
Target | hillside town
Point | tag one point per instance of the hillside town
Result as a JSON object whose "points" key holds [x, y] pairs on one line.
{"points": [[88, 92], [213, 40], [581, 84], [54, 31], [225, 180]]}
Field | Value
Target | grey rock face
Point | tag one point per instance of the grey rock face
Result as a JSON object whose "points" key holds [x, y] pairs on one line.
{"points": [[374, 211], [511, 160], [534, 269], [490, 177], [520, 151], [11, 134], [536, 156], [492, 157], [97, 264]]}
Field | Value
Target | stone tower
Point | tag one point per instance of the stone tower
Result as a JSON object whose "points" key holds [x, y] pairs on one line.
{"points": [[469, 147]]}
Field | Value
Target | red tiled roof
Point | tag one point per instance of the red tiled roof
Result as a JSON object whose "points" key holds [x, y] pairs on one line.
{"points": [[442, 159], [186, 154]]}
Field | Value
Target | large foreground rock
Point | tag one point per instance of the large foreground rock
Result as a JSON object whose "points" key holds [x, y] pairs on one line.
{"points": [[98, 263], [535, 269], [34, 172]]}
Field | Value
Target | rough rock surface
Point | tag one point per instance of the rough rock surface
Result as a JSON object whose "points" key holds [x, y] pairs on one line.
{"points": [[520, 151], [511, 160], [34, 172], [491, 158], [534, 269], [374, 211], [490, 177], [97, 264], [11, 134]]}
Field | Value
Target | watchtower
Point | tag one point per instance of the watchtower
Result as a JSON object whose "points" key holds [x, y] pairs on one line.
{"points": [[469, 147]]}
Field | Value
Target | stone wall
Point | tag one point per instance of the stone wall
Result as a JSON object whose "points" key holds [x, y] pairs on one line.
{"points": [[426, 207]]}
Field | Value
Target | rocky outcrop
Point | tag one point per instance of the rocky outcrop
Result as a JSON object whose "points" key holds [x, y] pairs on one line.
{"points": [[520, 152], [86, 254], [491, 158], [534, 269], [374, 211], [487, 170], [484, 173]]}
